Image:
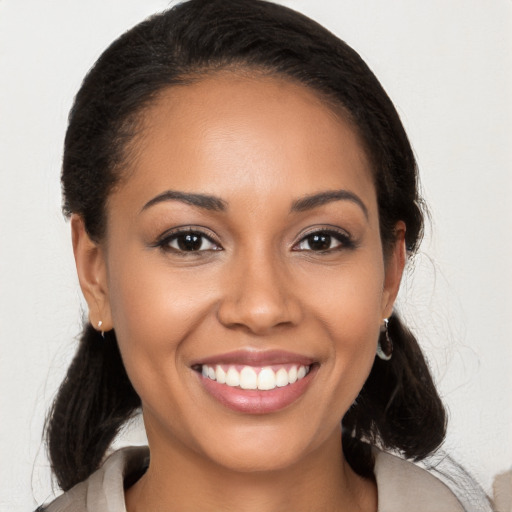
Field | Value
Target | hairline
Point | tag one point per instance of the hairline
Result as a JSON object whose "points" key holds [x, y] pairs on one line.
{"points": [[134, 122]]}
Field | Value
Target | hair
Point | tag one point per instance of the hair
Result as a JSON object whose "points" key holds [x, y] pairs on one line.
{"points": [[398, 408]]}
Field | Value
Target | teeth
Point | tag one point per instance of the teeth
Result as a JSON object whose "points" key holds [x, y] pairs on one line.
{"points": [[220, 374], [266, 379], [232, 377], [250, 378], [282, 378], [292, 375]]}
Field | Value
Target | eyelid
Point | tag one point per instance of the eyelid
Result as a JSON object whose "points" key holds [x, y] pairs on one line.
{"points": [[323, 228]]}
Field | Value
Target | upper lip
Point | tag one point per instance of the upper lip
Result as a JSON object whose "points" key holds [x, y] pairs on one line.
{"points": [[256, 358]]}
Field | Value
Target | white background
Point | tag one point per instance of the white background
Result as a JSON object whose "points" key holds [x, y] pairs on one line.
{"points": [[446, 65]]}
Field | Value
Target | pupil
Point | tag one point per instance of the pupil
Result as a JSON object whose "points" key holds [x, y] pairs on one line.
{"points": [[190, 242], [319, 242]]}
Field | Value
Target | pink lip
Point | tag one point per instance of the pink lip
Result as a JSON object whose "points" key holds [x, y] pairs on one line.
{"points": [[256, 401], [256, 358]]}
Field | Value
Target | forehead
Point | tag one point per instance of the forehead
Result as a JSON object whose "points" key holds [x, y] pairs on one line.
{"points": [[225, 133]]}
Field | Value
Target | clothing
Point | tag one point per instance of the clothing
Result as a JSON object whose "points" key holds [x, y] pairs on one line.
{"points": [[402, 486], [503, 492]]}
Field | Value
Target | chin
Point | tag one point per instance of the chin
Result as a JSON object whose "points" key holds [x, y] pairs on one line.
{"points": [[256, 460], [264, 448]]}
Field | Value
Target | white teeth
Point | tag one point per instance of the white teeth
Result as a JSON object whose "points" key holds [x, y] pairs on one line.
{"points": [[220, 374], [232, 377], [266, 379], [281, 378], [249, 378]]}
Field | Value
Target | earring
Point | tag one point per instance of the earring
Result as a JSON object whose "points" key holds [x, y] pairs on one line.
{"points": [[100, 323], [385, 347]]}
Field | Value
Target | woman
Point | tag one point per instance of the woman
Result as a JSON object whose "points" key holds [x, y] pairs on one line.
{"points": [[242, 196]]}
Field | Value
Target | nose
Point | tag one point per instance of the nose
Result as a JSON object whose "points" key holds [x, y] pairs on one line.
{"points": [[259, 296]]}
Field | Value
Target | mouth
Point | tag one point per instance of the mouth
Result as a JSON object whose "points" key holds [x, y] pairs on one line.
{"points": [[256, 382], [264, 378]]}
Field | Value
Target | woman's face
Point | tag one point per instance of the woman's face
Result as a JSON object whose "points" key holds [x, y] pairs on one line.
{"points": [[243, 251]]}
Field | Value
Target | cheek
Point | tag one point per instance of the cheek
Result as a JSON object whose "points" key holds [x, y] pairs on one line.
{"points": [[147, 296], [348, 299], [349, 310], [154, 311]]}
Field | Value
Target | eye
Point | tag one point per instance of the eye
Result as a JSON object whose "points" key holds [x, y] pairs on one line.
{"points": [[188, 241], [324, 241]]}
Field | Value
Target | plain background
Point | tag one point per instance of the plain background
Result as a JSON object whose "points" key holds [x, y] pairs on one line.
{"points": [[447, 67]]}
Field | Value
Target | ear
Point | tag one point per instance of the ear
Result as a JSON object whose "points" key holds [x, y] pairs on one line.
{"points": [[394, 267], [92, 274]]}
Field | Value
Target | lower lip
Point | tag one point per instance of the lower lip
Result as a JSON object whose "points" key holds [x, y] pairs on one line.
{"points": [[254, 401]]}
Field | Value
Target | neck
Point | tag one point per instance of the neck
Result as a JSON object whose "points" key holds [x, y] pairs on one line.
{"points": [[178, 480]]}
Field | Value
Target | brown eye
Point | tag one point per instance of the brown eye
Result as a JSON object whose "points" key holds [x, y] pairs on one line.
{"points": [[324, 241], [189, 241], [319, 242]]}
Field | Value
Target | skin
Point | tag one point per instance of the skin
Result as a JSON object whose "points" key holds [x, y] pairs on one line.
{"points": [[259, 145]]}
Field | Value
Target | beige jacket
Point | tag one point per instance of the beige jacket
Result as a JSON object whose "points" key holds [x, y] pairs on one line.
{"points": [[402, 486]]}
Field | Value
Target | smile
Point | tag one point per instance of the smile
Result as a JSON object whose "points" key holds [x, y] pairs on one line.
{"points": [[256, 382], [250, 377]]}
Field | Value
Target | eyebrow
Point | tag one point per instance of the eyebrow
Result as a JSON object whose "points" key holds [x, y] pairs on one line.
{"points": [[213, 203], [321, 198], [199, 200]]}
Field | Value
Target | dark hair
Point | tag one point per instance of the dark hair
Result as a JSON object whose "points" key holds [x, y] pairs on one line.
{"points": [[398, 407]]}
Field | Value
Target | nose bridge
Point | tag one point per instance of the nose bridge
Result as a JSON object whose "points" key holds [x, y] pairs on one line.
{"points": [[257, 294]]}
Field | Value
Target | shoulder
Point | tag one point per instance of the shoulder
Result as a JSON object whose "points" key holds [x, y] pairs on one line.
{"points": [[104, 489], [403, 486]]}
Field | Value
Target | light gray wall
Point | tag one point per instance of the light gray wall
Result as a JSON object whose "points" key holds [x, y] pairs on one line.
{"points": [[447, 66]]}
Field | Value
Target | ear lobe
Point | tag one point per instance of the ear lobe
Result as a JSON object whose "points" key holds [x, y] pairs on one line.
{"points": [[395, 264], [92, 274]]}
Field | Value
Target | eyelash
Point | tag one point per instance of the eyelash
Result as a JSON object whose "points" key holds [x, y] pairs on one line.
{"points": [[344, 240], [195, 235], [180, 234]]}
